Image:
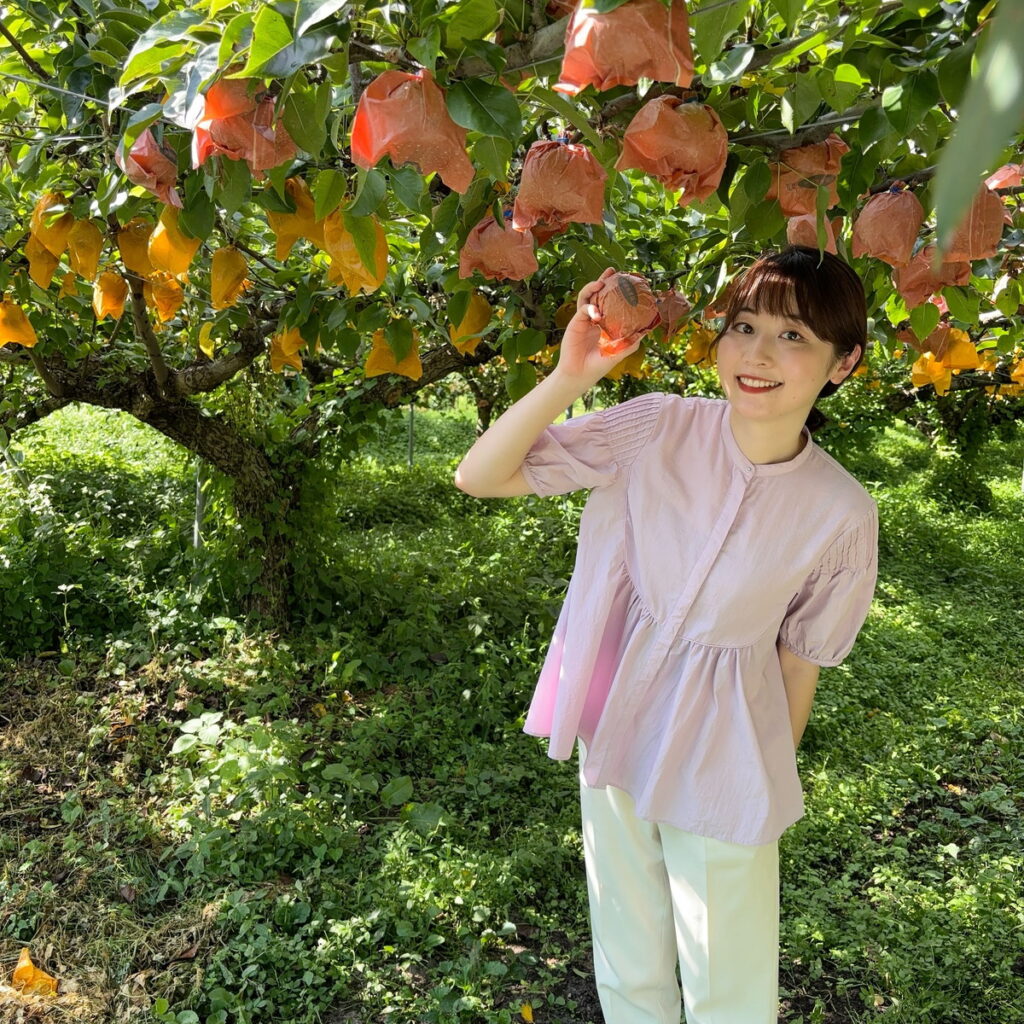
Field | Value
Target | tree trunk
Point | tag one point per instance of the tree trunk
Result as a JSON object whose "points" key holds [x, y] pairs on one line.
{"points": [[263, 496]]}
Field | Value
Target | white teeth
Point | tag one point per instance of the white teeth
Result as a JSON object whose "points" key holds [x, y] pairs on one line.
{"points": [[751, 383]]}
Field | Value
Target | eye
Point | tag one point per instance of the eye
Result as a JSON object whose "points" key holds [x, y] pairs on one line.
{"points": [[793, 336], [742, 326]]}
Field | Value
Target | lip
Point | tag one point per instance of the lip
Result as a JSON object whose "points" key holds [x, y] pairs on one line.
{"points": [[756, 391]]}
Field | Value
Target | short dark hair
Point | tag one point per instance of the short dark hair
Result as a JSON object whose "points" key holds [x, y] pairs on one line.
{"points": [[829, 297]]}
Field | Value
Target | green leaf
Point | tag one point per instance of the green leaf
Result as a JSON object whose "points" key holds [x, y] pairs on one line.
{"points": [[800, 101], [315, 47], [963, 305], [604, 6], [954, 71], [907, 103], [372, 186], [458, 304], [821, 204], [520, 380], [756, 181], [489, 53], [493, 155], [410, 188], [1006, 296], [839, 88], [426, 49], [713, 26], [198, 215], [273, 202], [328, 191], [305, 117], [991, 112], [872, 128], [311, 12], [530, 341], [488, 109], [364, 233], [237, 35], [424, 818], [169, 29], [270, 35], [151, 62], [924, 319], [398, 334], [573, 114], [234, 183], [789, 11], [446, 214], [730, 68], [470, 19], [764, 220]]}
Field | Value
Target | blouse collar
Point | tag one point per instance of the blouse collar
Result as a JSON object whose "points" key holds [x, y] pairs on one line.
{"points": [[749, 468]]}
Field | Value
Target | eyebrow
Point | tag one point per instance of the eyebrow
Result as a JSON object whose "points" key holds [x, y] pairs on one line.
{"points": [[795, 318]]}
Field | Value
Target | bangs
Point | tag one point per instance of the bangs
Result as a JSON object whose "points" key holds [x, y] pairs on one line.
{"points": [[820, 290], [779, 291]]}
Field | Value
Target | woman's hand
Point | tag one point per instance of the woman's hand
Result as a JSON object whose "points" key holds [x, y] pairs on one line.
{"points": [[579, 357]]}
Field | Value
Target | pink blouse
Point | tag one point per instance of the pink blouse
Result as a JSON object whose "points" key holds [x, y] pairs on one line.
{"points": [[693, 562]]}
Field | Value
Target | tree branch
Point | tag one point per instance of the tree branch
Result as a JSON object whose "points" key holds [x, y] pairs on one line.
{"points": [[207, 376], [16, 355], [34, 413], [30, 62], [817, 131], [145, 333], [543, 45], [53, 384]]}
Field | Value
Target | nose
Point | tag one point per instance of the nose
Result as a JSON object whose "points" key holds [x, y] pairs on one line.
{"points": [[759, 349]]}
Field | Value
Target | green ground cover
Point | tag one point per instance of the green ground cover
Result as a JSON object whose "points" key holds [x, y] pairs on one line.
{"points": [[201, 822]]}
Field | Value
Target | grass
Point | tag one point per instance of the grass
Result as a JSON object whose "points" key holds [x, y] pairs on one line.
{"points": [[202, 822]]}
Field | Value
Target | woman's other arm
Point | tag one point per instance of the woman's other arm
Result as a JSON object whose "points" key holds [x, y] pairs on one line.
{"points": [[491, 468], [801, 681]]}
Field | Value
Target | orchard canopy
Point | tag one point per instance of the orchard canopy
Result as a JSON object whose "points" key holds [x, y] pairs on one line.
{"points": [[248, 223], [347, 190]]}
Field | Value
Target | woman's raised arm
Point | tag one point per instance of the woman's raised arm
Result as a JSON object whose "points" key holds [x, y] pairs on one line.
{"points": [[491, 468]]}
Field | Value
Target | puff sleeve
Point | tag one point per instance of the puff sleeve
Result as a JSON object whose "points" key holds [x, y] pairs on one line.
{"points": [[592, 450], [824, 618]]}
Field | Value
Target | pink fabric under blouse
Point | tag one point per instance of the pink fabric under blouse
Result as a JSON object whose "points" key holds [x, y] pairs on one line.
{"points": [[693, 562]]}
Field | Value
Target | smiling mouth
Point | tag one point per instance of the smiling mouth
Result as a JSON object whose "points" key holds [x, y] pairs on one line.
{"points": [[758, 384]]}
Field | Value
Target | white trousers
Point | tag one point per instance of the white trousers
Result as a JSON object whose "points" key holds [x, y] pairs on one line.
{"points": [[661, 897]]}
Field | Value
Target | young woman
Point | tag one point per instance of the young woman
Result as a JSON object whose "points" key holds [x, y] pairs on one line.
{"points": [[723, 558]]}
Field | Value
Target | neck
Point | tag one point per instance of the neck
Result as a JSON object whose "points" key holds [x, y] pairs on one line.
{"points": [[768, 442]]}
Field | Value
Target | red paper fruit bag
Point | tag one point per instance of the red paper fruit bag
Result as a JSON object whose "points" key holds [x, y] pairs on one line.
{"points": [[640, 39], [887, 227], [801, 170], [628, 311], [978, 235], [917, 281], [683, 145], [146, 164], [803, 230], [404, 117], [498, 253], [560, 183]]}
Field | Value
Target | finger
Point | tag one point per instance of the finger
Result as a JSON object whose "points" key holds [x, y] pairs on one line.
{"points": [[587, 292]]}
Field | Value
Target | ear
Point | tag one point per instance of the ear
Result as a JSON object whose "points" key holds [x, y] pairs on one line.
{"points": [[844, 367]]}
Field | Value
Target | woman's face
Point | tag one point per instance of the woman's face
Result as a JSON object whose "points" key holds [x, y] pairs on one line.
{"points": [[772, 367]]}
